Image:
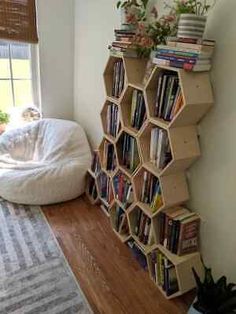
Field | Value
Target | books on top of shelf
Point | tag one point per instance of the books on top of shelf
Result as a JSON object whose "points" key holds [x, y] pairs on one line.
{"points": [[109, 156], [160, 151], [163, 273], [123, 44], [118, 78], [169, 98], [179, 230], [143, 228], [151, 191], [138, 109], [185, 55], [113, 120], [121, 221], [123, 189], [95, 165], [138, 253], [105, 189], [129, 156]]}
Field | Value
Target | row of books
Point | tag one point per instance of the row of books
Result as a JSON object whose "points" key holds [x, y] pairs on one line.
{"points": [[130, 156], [121, 221], [123, 189], [138, 110], [179, 230], [151, 191], [109, 156], [160, 150], [163, 273], [95, 165], [169, 98], [113, 120], [92, 190], [143, 227], [137, 253], [124, 43], [185, 54], [118, 78], [105, 188]]}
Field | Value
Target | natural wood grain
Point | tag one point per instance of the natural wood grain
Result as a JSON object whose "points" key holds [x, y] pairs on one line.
{"points": [[110, 277]]}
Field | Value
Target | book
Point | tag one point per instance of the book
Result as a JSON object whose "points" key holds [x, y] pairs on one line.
{"points": [[118, 78], [130, 156], [181, 65], [95, 165], [123, 189]]}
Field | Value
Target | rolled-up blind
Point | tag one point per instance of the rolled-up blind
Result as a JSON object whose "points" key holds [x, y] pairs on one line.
{"points": [[18, 20]]}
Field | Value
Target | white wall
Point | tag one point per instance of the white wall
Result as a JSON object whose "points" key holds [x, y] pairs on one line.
{"points": [[213, 177], [94, 25], [56, 54]]}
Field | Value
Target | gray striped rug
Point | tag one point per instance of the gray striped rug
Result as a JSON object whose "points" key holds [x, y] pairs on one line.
{"points": [[34, 274]]}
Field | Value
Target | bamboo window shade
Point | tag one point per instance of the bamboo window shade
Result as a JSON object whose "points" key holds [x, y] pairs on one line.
{"points": [[18, 20]]}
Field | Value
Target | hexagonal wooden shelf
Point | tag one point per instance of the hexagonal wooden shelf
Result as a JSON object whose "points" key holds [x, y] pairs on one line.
{"points": [[130, 112], [119, 222], [129, 162], [110, 116], [108, 158], [147, 239], [184, 147], [174, 190], [123, 189], [197, 96]]}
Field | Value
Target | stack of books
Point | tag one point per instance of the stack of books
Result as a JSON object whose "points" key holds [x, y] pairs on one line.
{"points": [[138, 110], [163, 273], [92, 190], [130, 156], [109, 156], [160, 151], [188, 54], [105, 188], [124, 43], [121, 221], [95, 166], [151, 191], [138, 253], [118, 78], [143, 228], [169, 98], [179, 230], [123, 189], [112, 118]]}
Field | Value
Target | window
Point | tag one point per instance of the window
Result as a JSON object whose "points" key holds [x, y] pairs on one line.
{"points": [[18, 79]]}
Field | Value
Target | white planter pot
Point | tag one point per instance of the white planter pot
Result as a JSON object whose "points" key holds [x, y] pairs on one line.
{"points": [[193, 311], [191, 26]]}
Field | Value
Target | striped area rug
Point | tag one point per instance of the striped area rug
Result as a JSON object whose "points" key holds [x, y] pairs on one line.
{"points": [[34, 274]]}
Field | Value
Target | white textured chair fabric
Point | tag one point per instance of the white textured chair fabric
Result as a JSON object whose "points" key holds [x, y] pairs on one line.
{"points": [[44, 162]]}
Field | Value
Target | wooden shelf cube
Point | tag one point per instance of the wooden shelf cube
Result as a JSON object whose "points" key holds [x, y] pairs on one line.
{"points": [[128, 109], [108, 115], [184, 148], [130, 163], [183, 267], [119, 222], [174, 189], [197, 96]]}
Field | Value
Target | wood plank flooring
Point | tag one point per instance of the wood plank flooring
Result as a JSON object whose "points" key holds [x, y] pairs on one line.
{"points": [[109, 276]]}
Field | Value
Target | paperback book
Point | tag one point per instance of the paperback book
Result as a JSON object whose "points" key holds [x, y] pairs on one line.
{"points": [[118, 78], [138, 110], [112, 120], [123, 189], [143, 229]]}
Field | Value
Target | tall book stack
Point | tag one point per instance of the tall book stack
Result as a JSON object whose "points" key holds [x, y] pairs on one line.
{"points": [[123, 45], [188, 54], [155, 145]]}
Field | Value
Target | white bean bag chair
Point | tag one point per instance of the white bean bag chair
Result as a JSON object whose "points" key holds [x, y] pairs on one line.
{"points": [[44, 162]]}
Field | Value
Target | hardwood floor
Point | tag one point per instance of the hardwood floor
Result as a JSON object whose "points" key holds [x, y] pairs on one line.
{"points": [[109, 276]]}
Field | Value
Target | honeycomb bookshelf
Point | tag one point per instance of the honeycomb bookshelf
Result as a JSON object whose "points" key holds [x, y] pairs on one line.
{"points": [[184, 151]]}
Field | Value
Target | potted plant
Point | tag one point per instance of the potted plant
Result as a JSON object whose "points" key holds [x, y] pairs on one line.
{"points": [[4, 119], [213, 297], [132, 11], [191, 17]]}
